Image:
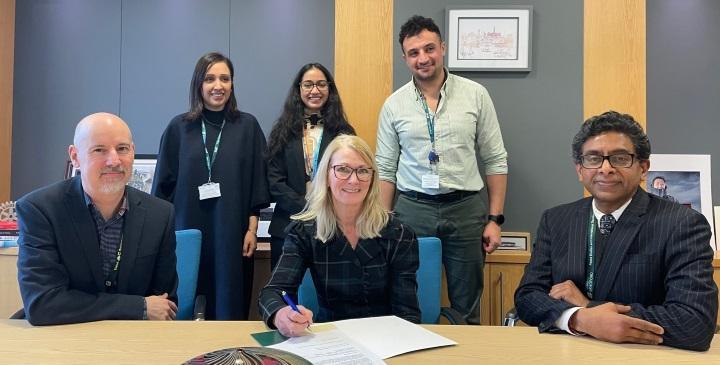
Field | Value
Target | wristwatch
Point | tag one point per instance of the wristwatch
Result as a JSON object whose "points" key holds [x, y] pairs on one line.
{"points": [[498, 219]]}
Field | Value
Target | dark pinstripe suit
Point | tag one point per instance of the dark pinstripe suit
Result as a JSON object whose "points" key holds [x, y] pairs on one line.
{"points": [[657, 260]]}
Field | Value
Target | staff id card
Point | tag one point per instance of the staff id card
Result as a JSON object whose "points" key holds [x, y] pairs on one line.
{"points": [[209, 190], [431, 181]]}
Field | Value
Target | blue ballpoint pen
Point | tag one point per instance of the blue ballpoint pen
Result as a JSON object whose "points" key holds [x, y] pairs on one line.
{"points": [[292, 305], [290, 302]]}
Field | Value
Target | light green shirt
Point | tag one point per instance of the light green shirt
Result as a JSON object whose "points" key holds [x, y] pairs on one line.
{"points": [[465, 122]]}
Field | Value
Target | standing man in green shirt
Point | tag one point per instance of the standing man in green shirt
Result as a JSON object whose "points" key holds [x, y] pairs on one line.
{"points": [[430, 132]]}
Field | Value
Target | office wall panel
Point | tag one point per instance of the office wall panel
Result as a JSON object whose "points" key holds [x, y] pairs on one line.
{"points": [[539, 111], [67, 65], [7, 44], [269, 42], [135, 58], [614, 63], [364, 72], [161, 41], [683, 46]]}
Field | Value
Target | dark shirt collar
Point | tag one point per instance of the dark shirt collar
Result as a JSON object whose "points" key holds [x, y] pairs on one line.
{"points": [[124, 206], [214, 117]]}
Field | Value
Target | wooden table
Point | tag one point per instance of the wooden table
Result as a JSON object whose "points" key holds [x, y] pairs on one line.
{"points": [[129, 342]]}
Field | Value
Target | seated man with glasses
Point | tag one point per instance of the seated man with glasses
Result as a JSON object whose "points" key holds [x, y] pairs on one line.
{"points": [[363, 261], [622, 265]]}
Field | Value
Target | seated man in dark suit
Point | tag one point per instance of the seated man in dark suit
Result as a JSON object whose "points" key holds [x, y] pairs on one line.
{"points": [[622, 265], [92, 248]]}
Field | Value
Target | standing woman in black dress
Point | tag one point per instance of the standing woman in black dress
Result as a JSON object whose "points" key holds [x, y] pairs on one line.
{"points": [[312, 116], [211, 166]]}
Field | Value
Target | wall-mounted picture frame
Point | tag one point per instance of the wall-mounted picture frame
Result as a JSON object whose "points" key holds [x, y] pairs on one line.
{"points": [[142, 173], [489, 38], [684, 179], [515, 241]]}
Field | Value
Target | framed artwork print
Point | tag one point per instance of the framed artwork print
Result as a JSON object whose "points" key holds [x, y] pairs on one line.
{"points": [[684, 179], [489, 38]]}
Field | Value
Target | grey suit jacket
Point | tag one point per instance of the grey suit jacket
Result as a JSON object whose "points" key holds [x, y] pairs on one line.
{"points": [[657, 260], [59, 264]]}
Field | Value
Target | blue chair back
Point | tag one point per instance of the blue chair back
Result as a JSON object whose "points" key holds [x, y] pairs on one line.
{"points": [[188, 264], [307, 295], [429, 279]]}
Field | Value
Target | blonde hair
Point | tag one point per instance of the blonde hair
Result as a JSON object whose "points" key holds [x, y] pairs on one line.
{"points": [[373, 216]]}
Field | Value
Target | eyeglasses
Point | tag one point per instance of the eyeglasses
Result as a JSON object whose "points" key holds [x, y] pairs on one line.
{"points": [[616, 160], [309, 85], [343, 172]]}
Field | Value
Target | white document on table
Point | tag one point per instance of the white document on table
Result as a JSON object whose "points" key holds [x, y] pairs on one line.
{"points": [[390, 335], [329, 346], [362, 341]]}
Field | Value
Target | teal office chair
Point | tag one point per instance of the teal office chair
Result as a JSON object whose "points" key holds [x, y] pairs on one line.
{"points": [[429, 279], [188, 265]]}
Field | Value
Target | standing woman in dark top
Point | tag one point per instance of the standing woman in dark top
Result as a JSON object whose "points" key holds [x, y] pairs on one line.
{"points": [[211, 166], [312, 116]]}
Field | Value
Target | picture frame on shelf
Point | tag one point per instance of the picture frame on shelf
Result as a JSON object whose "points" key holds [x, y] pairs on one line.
{"points": [[264, 221], [684, 179], [515, 241], [489, 38]]}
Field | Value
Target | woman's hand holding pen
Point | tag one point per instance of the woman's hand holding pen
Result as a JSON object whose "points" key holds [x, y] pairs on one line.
{"points": [[291, 323]]}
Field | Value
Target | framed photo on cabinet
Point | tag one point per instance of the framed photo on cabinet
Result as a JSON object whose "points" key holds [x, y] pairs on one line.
{"points": [[515, 241], [684, 179]]}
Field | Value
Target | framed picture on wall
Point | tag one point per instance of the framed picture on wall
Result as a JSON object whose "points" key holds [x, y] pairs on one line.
{"points": [[489, 38], [143, 171], [516, 241], [684, 179]]}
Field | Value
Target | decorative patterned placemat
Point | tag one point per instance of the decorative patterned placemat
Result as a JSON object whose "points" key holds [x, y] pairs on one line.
{"points": [[248, 356]]}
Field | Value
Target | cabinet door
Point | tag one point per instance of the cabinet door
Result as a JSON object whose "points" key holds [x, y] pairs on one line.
{"points": [[501, 280]]}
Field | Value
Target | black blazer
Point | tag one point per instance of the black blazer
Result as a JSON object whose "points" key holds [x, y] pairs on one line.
{"points": [[657, 260], [59, 262], [287, 178]]}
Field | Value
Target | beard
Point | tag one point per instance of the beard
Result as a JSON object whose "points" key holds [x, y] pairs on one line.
{"points": [[113, 187]]}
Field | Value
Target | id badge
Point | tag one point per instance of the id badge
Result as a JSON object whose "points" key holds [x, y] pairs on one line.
{"points": [[209, 190], [431, 181]]}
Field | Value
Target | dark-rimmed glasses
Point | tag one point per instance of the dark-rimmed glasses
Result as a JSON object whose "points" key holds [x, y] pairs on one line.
{"points": [[617, 160], [343, 172], [309, 85]]}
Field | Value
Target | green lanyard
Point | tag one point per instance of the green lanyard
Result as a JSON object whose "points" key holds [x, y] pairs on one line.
{"points": [[111, 279], [208, 159], [590, 262], [430, 121]]}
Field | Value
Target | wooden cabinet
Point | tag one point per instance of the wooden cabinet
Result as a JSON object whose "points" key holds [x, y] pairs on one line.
{"points": [[502, 274], [9, 290]]}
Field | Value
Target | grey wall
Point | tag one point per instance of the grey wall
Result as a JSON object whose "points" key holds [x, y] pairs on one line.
{"points": [[683, 79], [135, 58], [539, 111]]}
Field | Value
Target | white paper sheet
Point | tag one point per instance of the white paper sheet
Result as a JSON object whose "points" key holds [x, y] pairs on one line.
{"points": [[329, 346], [390, 335]]}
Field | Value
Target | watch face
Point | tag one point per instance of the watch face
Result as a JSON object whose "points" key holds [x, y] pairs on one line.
{"points": [[499, 219]]}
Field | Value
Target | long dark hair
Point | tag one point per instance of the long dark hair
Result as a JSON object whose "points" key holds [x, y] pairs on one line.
{"points": [[290, 124], [198, 78]]}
